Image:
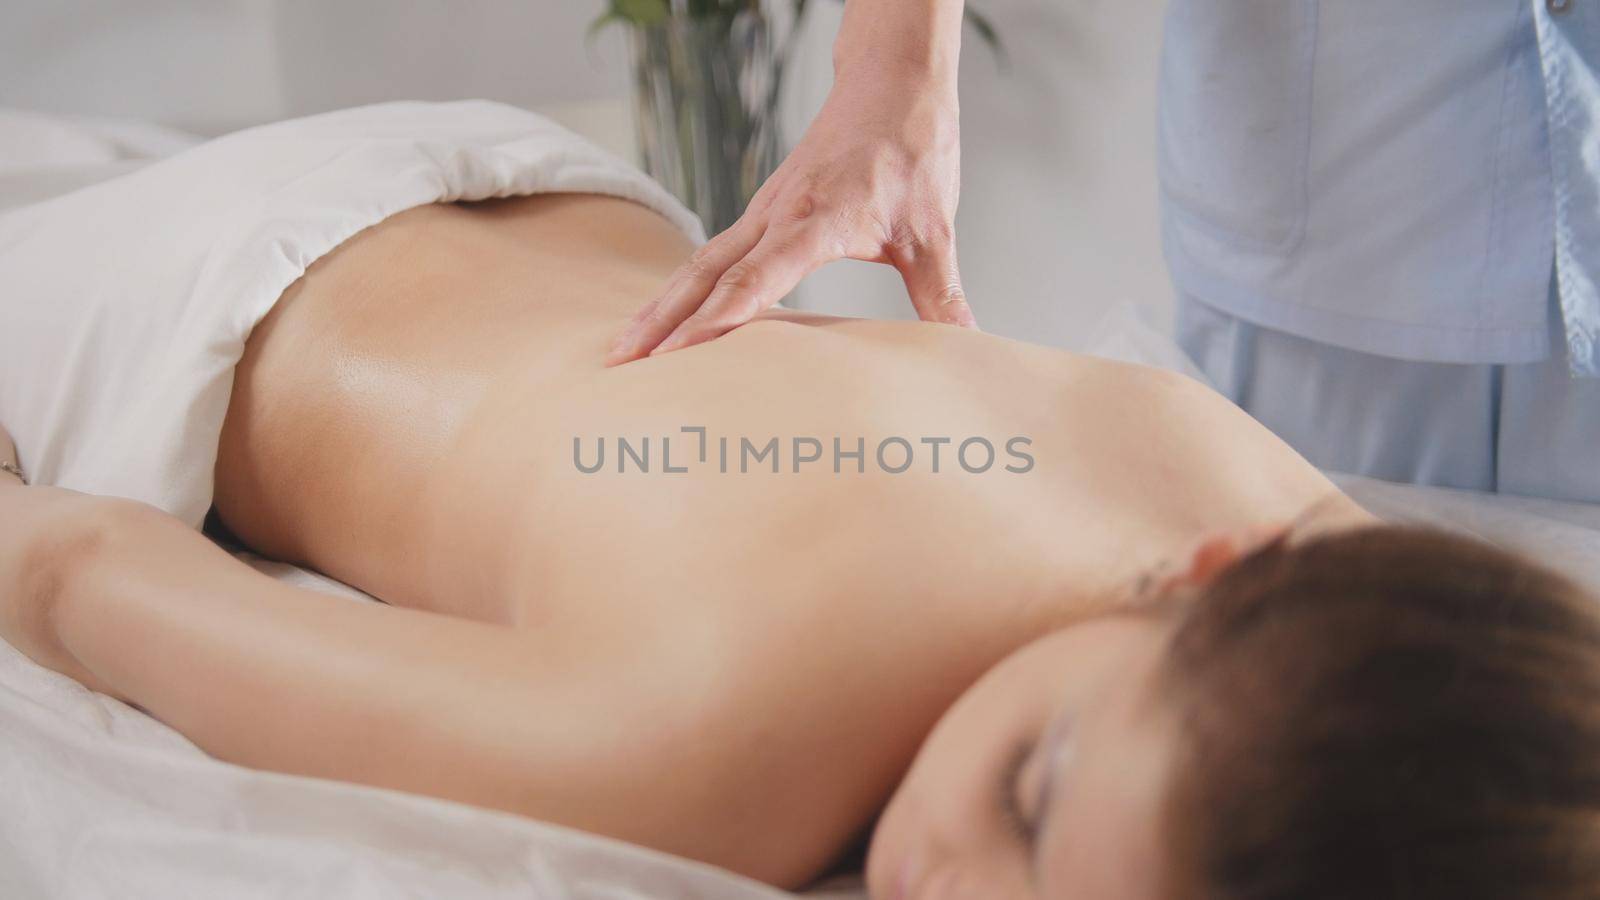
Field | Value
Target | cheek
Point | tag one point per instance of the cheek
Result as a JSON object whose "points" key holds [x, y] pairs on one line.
{"points": [[952, 792], [937, 809], [947, 811], [1014, 702], [946, 847], [962, 758]]}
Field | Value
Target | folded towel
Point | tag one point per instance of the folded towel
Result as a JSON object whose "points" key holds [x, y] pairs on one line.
{"points": [[125, 306]]}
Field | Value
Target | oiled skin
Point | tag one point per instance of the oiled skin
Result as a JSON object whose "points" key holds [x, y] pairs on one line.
{"points": [[404, 421]]}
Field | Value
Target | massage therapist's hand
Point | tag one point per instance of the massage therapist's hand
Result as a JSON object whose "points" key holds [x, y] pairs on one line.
{"points": [[876, 177]]}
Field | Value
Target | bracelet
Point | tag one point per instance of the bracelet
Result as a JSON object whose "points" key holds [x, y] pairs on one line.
{"points": [[13, 469]]}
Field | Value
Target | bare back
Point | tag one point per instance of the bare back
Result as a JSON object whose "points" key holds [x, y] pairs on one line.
{"points": [[405, 421]]}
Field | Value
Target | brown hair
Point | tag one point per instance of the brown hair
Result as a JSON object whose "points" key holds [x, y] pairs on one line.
{"points": [[1385, 713]]}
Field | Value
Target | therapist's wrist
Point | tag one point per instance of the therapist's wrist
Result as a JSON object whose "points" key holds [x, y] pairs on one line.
{"points": [[915, 43], [888, 72]]}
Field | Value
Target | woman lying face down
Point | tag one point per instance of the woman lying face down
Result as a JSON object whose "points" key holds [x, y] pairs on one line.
{"points": [[1333, 709], [1374, 712], [751, 668]]}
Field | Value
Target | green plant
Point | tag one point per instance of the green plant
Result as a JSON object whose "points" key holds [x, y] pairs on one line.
{"points": [[652, 12]]}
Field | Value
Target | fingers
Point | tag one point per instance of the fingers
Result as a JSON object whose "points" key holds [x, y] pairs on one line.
{"points": [[685, 291], [752, 265], [934, 282], [772, 269], [10, 472]]}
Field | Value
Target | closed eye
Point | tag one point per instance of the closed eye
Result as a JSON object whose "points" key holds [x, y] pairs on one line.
{"points": [[1011, 813]]}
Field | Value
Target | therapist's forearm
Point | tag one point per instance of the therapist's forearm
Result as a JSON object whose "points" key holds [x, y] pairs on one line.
{"points": [[919, 39]]}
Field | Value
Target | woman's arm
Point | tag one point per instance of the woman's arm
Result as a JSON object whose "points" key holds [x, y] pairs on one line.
{"points": [[133, 603], [136, 605]]}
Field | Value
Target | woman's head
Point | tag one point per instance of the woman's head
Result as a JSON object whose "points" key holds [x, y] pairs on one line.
{"points": [[1378, 712]]}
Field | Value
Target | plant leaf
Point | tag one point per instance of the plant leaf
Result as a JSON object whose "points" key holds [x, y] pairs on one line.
{"points": [[601, 21], [632, 12], [642, 12], [984, 26]]}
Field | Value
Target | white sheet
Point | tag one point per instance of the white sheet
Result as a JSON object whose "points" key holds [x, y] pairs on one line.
{"points": [[99, 800]]}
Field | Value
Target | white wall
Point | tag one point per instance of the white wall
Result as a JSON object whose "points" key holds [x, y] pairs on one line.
{"points": [[1058, 206], [215, 65]]}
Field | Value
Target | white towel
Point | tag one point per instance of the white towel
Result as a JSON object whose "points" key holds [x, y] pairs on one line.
{"points": [[124, 306]]}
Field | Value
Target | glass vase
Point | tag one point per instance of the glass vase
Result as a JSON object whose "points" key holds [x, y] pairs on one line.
{"points": [[706, 107]]}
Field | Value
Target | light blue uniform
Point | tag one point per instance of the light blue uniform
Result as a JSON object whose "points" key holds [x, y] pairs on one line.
{"points": [[1363, 202]]}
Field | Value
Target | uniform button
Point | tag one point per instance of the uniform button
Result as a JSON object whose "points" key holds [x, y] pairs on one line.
{"points": [[1559, 7]]}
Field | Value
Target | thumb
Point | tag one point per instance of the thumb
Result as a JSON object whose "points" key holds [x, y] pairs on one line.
{"points": [[934, 282]]}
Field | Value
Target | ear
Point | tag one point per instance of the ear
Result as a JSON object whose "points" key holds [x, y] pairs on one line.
{"points": [[1220, 551]]}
